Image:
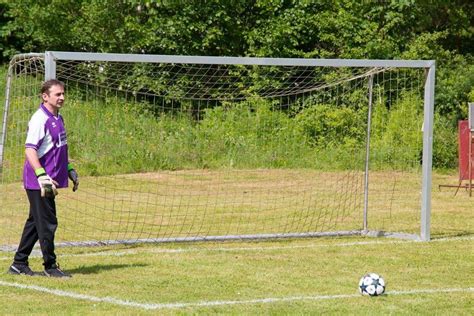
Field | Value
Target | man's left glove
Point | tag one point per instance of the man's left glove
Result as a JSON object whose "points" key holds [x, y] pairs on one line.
{"points": [[74, 178]]}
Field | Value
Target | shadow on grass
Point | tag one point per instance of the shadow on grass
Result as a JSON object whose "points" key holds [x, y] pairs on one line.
{"points": [[453, 234], [102, 267]]}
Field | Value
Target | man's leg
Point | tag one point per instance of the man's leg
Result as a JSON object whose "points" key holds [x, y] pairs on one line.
{"points": [[27, 242], [44, 214], [29, 237]]}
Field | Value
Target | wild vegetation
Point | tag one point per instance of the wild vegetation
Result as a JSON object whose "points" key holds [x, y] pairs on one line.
{"points": [[246, 135], [408, 29]]}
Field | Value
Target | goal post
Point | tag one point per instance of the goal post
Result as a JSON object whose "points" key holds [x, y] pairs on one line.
{"points": [[428, 122], [174, 148]]}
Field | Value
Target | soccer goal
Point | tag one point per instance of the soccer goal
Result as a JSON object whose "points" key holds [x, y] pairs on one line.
{"points": [[192, 148]]}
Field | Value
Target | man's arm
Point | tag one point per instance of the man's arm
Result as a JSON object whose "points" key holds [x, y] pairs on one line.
{"points": [[32, 157], [73, 176]]}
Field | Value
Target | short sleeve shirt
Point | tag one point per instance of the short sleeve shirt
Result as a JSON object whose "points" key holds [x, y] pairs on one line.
{"points": [[47, 135]]}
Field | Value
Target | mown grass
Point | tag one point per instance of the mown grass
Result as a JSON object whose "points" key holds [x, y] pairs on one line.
{"points": [[202, 203], [245, 202], [243, 271], [196, 273]]}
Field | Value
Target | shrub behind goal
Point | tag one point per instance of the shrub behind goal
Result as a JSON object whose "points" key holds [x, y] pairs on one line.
{"points": [[182, 148]]}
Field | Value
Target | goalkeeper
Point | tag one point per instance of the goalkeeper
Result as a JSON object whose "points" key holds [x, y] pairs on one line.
{"points": [[46, 169]]}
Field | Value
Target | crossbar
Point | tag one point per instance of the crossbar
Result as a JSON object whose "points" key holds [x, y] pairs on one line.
{"points": [[240, 60]]}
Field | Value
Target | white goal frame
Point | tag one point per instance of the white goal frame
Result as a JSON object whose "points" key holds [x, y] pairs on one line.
{"points": [[52, 57]]}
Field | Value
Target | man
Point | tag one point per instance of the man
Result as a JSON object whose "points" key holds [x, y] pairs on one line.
{"points": [[46, 168]]}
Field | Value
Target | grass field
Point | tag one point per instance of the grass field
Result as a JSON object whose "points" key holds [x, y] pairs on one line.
{"points": [[295, 276], [314, 276], [188, 203]]}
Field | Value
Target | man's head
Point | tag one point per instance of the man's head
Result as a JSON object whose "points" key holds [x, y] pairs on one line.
{"points": [[52, 93]]}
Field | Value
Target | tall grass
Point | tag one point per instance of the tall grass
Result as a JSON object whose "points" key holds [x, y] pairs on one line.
{"points": [[117, 135], [123, 136]]}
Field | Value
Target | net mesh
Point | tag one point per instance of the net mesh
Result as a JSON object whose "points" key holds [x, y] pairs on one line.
{"points": [[180, 151]]}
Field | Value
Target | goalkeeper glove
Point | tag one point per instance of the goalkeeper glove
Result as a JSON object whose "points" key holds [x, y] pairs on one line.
{"points": [[47, 185], [74, 177]]}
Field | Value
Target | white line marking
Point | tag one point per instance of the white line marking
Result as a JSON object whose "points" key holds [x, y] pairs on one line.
{"points": [[113, 253], [178, 305]]}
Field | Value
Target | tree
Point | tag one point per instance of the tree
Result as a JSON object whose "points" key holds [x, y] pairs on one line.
{"points": [[153, 27]]}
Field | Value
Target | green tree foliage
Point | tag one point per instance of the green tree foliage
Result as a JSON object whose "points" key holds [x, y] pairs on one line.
{"points": [[357, 29], [274, 28], [133, 26]]}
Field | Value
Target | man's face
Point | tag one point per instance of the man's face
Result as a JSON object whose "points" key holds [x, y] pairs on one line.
{"points": [[55, 97]]}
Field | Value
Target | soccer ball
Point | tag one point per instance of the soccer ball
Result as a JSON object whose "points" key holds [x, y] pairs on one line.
{"points": [[372, 284]]}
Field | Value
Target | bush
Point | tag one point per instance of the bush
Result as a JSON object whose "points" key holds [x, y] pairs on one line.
{"points": [[121, 137], [445, 144], [325, 125], [249, 134], [397, 134]]}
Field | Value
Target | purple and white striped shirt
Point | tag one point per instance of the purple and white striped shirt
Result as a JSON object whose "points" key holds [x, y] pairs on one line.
{"points": [[47, 135]]}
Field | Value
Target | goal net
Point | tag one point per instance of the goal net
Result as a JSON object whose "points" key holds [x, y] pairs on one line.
{"points": [[177, 148]]}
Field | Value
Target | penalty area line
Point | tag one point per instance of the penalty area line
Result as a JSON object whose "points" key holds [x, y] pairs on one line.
{"points": [[262, 248], [115, 253], [178, 305]]}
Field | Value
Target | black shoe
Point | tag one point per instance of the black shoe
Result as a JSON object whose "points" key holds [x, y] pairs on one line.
{"points": [[55, 272], [20, 269]]}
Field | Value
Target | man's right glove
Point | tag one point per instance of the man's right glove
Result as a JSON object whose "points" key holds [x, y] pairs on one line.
{"points": [[47, 185], [74, 177]]}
